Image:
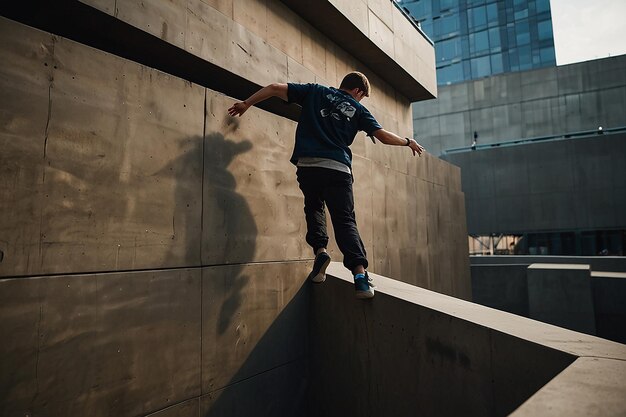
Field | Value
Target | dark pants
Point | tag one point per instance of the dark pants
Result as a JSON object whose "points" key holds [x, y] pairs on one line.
{"points": [[334, 188]]}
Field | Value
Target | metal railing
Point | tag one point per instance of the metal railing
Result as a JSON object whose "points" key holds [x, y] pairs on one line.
{"points": [[571, 135]]}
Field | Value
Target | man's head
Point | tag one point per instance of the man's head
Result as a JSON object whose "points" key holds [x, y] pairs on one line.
{"points": [[356, 84]]}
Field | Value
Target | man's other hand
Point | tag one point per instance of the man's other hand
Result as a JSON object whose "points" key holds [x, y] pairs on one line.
{"points": [[238, 109]]}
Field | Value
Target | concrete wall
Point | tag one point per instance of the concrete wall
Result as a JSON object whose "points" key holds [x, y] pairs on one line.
{"points": [[412, 351], [501, 282], [143, 264], [570, 184], [527, 104]]}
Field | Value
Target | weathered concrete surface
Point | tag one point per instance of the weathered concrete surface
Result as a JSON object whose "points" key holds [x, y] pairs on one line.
{"points": [[588, 387], [504, 287], [211, 187], [560, 294], [500, 282], [254, 319], [609, 295], [114, 167], [131, 343], [569, 184], [411, 350], [99, 345], [99, 160]]}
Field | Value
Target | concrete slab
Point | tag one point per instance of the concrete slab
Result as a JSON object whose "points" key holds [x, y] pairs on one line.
{"points": [[100, 345], [503, 287], [407, 344], [560, 294], [609, 293], [589, 387], [164, 20], [26, 85], [254, 319]]}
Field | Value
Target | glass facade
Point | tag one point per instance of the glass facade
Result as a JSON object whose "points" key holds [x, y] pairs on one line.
{"points": [[478, 38]]}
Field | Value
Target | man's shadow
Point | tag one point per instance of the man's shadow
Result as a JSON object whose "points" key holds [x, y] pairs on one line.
{"points": [[228, 227], [228, 232]]}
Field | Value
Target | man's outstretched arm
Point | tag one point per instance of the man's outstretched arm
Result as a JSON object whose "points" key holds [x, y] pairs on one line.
{"points": [[390, 138], [273, 90]]}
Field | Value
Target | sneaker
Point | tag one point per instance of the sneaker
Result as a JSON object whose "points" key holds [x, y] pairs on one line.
{"points": [[318, 274], [364, 286]]}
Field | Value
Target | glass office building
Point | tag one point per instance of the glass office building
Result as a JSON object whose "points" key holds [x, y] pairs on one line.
{"points": [[478, 38]]}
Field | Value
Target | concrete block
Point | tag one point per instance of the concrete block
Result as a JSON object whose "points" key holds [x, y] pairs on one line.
{"points": [[560, 294], [99, 345], [206, 27], [283, 29], [26, 86], [609, 293], [514, 379], [298, 73], [314, 50], [165, 20], [539, 84], [251, 57], [105, 116], [249, 183], [602, 392], [383, 9], [254, 319], [503, 287], [355, 12], [223, 6], [252, 15], [381, 34]]}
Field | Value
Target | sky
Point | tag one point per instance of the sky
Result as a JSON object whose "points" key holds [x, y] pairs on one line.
{"points": [[588, 29]]}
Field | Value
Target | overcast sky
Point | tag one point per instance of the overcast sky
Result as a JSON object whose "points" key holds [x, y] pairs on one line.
{"points": [[588, 29]]}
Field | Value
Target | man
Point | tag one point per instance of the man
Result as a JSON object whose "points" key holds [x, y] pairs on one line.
{"points": [[329, 121]]}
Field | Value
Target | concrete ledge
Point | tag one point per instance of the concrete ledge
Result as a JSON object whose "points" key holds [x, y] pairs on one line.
{"points": [[588, 387], [351, 25], [412, 349]]}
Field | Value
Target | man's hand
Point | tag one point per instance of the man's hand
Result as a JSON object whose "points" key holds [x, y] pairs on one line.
{"points": [[238, 109], [416, 147]]}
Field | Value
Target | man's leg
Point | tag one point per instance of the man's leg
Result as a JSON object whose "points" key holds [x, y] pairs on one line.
{"points": [[340, 200], [315, 215]]}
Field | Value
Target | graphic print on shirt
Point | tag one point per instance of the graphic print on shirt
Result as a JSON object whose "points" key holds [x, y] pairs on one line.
{"points": [[338, 107]]}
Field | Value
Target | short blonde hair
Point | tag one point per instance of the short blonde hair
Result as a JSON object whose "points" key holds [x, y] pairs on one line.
{"points": [[358, 80]]}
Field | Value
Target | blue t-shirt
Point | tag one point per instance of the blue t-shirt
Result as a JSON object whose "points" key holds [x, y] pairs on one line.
{"points": [[329, 121]]}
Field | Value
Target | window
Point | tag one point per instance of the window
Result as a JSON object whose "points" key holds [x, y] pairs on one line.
{"points": [[450, 74], [547, 55], [545, 30], [525, 58], [448, 49], [494, 39], [447, 4], [492, 13], [496, 64], [542, 5], [522, 33], [477, 17], [479, 41], [481, 67], [446, 25]]}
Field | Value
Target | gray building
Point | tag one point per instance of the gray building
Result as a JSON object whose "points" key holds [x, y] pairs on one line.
{"points": [[549, 162], [478, 38]]}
